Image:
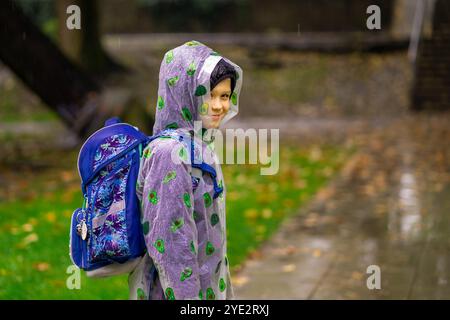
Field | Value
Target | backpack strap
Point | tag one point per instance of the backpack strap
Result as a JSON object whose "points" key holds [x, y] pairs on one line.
{"points": [[204, 167]]}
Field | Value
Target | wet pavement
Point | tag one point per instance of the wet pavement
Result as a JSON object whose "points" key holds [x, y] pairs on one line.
{"points": [[389, 207]]}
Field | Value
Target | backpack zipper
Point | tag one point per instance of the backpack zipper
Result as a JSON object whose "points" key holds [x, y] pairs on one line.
{"points": [[78, 159], [117, 156]]}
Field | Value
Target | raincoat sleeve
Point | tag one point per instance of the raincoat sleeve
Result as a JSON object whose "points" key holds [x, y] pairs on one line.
{"points": [[167, 210]]}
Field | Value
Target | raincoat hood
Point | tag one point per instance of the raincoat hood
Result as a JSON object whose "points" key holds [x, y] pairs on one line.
{"points": [[184, 86]]}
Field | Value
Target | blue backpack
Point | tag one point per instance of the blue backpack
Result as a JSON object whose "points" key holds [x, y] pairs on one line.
{"points": [[106, 236]]}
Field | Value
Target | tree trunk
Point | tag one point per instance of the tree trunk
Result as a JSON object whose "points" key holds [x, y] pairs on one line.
{"points": [[84, 46], [66, 89]]}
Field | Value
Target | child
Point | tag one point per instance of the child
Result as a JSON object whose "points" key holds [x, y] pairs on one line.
{"points": [[183, 214]]}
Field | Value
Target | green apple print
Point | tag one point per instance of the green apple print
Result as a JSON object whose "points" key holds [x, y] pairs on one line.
{"points": [[172, 125], [207, 199], [177, 224], [187, 199], [169, 294], [234, 98], [173, 81], [210, 295], [191, 69], [203, 109], [183, 154], [192, 247], [200, 294], [159, 245], [169, 56], [186, 114], [222, 285], [153, 197], [192, 43], [170, 176], [200, 91], [146, 227], [160, 103], [147, 153], [186, 273], [214, 219], [140, 294], [209, 248]]}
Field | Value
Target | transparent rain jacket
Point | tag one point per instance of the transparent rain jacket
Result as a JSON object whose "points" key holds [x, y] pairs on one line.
{"points": [[184, 221]]}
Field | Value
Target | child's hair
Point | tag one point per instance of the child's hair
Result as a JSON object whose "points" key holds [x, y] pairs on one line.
{"points": [[222, 71]]}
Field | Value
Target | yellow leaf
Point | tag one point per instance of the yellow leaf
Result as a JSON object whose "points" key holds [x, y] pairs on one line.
{"points": [[239, 281], [357, 275], [267, 213], [233, 195], [41, 266], [288, 203], [251, 213], [317, 253], [27, 227], [68, 176], [50, 216], [32, 237], [289, 268], [315, 154], [300, 184], [33, 221]]}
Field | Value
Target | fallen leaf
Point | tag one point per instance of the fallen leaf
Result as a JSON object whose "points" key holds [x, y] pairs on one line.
{"points": [[27, 227], [251, 213], [41, 266], [289, 268], [50, 216], [32, 237], [239, 281], [317, 253], [267, 213], [357, 275]]}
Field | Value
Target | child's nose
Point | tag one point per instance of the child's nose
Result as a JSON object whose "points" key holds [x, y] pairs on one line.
{"points": [[216, 106]]}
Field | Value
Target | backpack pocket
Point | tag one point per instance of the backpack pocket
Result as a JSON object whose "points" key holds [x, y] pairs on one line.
{"points": [[108, 219], [77, 247]]}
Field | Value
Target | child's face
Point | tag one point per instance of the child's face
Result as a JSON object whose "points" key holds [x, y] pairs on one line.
{"points": [[219, 105]]}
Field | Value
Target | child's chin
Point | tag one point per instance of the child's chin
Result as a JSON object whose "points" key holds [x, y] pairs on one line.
{"points": [[213, 125]]}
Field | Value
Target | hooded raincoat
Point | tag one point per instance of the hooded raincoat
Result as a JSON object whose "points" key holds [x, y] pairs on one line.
{"points": [[183, 215]]}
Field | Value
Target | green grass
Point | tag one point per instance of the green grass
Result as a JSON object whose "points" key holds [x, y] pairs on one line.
{"points": [[35, 219], [18, 106]]}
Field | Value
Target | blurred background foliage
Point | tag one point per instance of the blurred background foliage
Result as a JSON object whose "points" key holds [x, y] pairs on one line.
{"points": [[306, 73]]}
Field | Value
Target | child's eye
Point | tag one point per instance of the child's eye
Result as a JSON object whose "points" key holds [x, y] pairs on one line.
{"points": [[225, 95]]}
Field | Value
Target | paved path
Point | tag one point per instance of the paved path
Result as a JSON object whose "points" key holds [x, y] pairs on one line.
{"points": [[389, 207]]}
